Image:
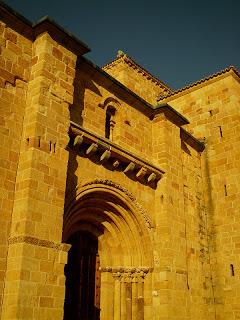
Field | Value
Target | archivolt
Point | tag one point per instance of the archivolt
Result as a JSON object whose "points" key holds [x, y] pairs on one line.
{"points": [[112, 213]]}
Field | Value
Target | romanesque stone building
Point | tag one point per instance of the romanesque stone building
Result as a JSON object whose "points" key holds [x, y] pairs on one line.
{"points": [[119, 197]]}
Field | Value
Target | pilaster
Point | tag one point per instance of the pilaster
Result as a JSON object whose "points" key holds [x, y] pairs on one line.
{"points": [[35, 270], [170, 261]]}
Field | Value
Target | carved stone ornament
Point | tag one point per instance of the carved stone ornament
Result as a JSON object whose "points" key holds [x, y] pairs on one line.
{"points": [[127, 274], [40, 243], [127, 193]]}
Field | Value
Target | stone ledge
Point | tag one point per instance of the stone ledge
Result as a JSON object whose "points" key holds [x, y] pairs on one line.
{"points": [[39, 242], [112, 154], [173, 115], [191, 140]]}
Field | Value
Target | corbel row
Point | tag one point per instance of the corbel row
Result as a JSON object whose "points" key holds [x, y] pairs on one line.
{"points": [[118, 158]]}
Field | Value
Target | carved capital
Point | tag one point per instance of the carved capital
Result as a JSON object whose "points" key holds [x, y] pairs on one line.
{"points": [[127, 274]]}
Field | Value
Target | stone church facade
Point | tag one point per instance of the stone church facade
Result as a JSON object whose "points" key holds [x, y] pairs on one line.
{"points": [[119, 197]]}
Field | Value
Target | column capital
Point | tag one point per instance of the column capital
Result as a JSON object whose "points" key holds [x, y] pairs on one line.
{"points": [[127, 274]]}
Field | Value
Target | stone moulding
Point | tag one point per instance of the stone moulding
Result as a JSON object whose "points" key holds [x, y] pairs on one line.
{"points": [[39, 242], [122, 269], [82, 138], [127, 273], [110, 183]]}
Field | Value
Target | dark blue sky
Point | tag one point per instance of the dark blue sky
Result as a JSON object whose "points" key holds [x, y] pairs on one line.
{"points": [[178, 41]]}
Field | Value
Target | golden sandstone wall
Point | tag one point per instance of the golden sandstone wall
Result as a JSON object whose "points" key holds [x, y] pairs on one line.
{"points": [[36, 90], [165, 210], [136, 78], [15, 61], [214, 114]]}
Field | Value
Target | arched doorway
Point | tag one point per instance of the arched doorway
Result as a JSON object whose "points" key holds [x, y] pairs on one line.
{"points": [[82, 298], [119, 233]]}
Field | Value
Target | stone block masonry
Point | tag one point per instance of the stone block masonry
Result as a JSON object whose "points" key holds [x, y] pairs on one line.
{"points": [[114, 205]]}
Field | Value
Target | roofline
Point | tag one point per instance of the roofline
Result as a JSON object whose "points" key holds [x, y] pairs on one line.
{"points": [[198, 84], [191, 140], [122, 56], [171, 114], [149, 109], [31, 30]]}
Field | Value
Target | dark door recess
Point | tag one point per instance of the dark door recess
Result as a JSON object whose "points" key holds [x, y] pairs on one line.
{"points": [[82, 298]]}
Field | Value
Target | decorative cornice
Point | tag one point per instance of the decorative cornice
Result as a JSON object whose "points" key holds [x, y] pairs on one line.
{"points": [[127, 193], [201, 82], [39, 242], [119, 158], [122, 57]]}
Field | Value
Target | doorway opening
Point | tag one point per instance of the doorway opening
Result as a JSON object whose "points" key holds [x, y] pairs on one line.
{"points": [[82, 298]]}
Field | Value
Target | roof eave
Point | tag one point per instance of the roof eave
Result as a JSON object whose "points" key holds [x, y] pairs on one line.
{"points": [[201, 83], [191, 140], [171, 114]]}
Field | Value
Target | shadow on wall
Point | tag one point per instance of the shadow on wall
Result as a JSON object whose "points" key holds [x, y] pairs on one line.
{"points": [[210, 228], [76, 109], [80, 86], [72, 307]]}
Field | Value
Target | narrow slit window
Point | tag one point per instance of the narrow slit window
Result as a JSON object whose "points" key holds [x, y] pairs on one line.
{"points": [[225, 189], [220, 131], [232, 270], [107, 125], [109, 122]]}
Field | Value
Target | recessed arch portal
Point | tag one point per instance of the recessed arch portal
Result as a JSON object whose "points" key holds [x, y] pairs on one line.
{"points": [[110, 214]]}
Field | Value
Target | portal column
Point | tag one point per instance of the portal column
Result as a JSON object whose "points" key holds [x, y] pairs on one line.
{"points": [[123, 299], [117, 295], [138, 293], [140, 299], [106, 296], [128, 283], [128, 296], [134, 297]]}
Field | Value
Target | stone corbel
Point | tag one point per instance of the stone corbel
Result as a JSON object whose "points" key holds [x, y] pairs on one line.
{"points": [[105, 156], [78, 141], [92, 149], [152, 177], [129, 168], [116, 164], [141, 173]]}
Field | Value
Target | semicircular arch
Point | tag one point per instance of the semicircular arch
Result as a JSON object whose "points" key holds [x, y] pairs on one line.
{"points": [[114, 216]]}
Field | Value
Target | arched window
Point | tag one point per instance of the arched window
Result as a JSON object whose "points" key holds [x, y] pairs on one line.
{"points": [[109, 122]]}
